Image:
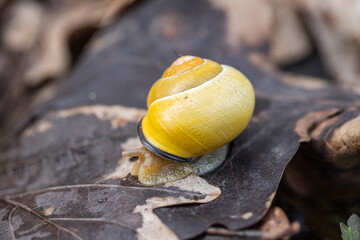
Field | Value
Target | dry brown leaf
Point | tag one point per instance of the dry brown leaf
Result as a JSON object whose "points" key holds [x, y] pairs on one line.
{"points": [[288, 41], [248, 23], [35, 47], [344, 144], [23, 27], [275, 225], [334, 26], [191, 189], [73, 210]]}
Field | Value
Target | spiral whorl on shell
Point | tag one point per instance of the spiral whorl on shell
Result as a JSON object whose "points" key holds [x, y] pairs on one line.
{"points": [[195, 108]]}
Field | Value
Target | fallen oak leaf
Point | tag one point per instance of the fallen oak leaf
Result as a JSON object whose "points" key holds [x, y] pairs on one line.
{"points": [[75, 145], [74, 210]]}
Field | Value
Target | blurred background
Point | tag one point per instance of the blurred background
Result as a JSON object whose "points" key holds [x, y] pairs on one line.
{"points": [[43, 41]]}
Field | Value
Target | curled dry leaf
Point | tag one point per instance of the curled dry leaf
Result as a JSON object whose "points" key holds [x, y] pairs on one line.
{"points": [[335, 132], [276, 225], [334, 27]]}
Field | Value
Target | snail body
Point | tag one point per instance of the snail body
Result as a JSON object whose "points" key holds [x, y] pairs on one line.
{"points": [[153, 170], [197, 107]]}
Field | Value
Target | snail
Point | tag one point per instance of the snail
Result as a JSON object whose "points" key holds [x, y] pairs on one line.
{"points": [[195, 109]]}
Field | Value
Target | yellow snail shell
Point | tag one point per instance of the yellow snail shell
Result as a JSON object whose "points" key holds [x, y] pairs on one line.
{"points": [[197, 107]]}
